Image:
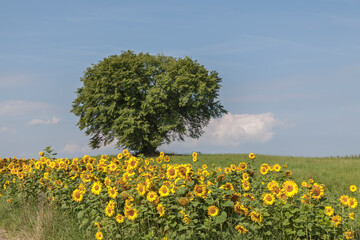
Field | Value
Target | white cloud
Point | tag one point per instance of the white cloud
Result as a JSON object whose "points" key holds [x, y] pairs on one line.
{"points": [[3, 129], [72, 148], [235, 130], [19, 108], [53, 120]]}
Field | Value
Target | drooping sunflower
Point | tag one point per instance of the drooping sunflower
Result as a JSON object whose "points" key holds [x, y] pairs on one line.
{"points": [[96, 188], [113, 192], [109, 210], [161, 209], [227, 186], [329, 211], [235, 197], [77, 195], [213, 211], [119, 218], [141, 189], [317, 191], [241, 229], [131, 213], [255, 216], [183, 201], [291, 188], [268, 199], [164, 191], [241, 209], [246, 185], [336, 220]]}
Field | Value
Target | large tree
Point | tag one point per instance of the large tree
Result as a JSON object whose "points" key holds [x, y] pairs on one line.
{"points": [[144, 101]]}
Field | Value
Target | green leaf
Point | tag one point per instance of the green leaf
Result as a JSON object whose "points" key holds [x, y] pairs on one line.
{"points": [[221, 218], [228, 203], [80, 214], [301, 233]]}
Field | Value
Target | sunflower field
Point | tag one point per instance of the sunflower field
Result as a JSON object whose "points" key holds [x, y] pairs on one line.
{"points": [[134, 197]]}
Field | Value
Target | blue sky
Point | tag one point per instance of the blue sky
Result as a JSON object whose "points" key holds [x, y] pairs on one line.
{"points": [[290, 70]]}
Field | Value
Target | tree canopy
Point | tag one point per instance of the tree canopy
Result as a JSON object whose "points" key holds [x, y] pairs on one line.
{"points": [[144, 101]]}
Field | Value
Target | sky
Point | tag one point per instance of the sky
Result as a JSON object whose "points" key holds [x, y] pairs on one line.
{"points": [[290, 70]]}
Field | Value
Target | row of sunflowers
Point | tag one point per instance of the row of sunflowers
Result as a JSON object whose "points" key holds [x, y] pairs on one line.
{"points": [[129, 197]]}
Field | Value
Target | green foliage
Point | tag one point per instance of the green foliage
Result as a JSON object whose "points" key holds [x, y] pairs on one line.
{"points": [[144, 101]]}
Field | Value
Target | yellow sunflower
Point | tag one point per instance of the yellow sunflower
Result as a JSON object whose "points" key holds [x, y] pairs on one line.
{"points": [[164, 191], [251, 155], [141, 189], [352, 215], [107, 182], [99, 236], [277, 167], [113, 192], [77, 195], [329, 211], [241, 209], [349, 235], [109, 210], [241, 229], [200, 190], [344, 199], [255, 216], [246, 185], [242, 166], [213, 211], [161, 210], [352, 203], [336, 220], [151, 196], [353, 188], [291, 188], [171, 173], [131, 213], [96, 188], [268, 199], [317, 191], [119, 218]]}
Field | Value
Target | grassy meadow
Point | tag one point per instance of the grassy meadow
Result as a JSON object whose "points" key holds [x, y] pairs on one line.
{"points": [[43, 219]]}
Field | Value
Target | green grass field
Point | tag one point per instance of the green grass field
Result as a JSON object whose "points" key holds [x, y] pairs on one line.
{"points": [[45, 222]]}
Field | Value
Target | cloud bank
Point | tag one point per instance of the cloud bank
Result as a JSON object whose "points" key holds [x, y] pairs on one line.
{"points": [[53, 120]]}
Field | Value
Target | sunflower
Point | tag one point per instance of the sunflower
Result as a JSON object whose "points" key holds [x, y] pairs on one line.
{"points": [[264, 170], [171, 173], [349, 234], [113, 192], [96, 188], [290, 187], [213, 211], [41, 154], [183, 170], [329, 211], [249, 196], [109, 210], [200, 190], [277, 167], [242, 166], [131, 213], [352, 203], [227, 186], [233, 167], [151, 196], [133, 163], [166, 159], [194, 159], [255, 216], [317, 191], [99, 235], [141, 189], [235, 197], [107, 182], [227, 170], [161, 210], [336, 220], [241, 229], [194, 154], [268, 199], [77, 195], [288, 173], [164, 191], [273, 187], [251, 155], [245, 185], [245, 176], [89, 167], [353, 188], [183, 201], [344, 199], [119, 218], [352, 215], [241, 209]]}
